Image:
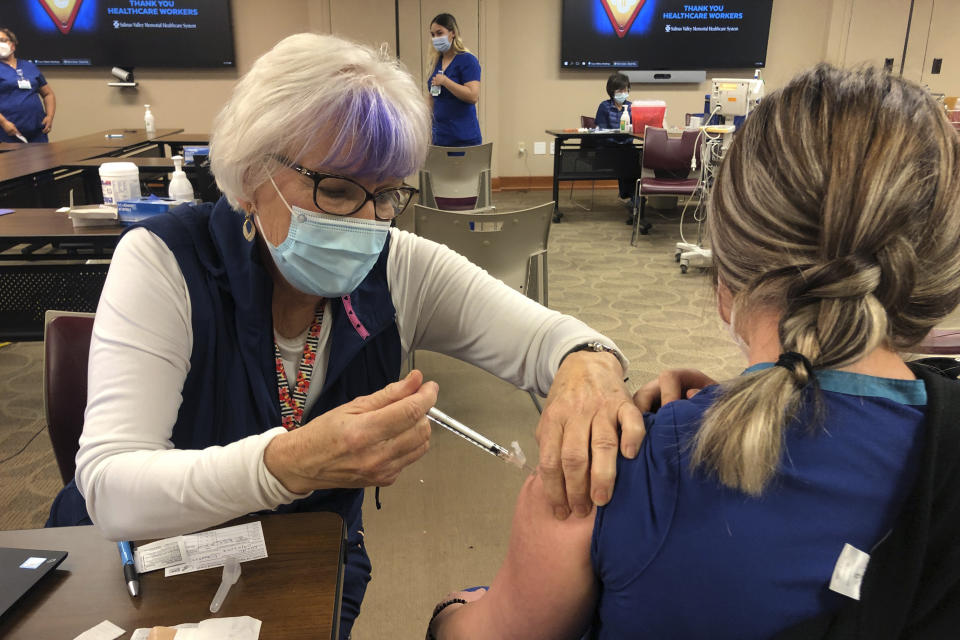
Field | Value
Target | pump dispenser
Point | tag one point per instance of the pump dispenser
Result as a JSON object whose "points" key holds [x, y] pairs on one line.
{"points": [[180, 187], [625, 120], [149, 122]]}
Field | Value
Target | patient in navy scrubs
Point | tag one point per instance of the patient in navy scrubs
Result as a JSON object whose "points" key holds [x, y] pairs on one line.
{"points": [[730, 521]]}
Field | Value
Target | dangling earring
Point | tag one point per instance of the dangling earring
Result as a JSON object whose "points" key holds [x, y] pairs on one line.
{"points": [[249, 231]]}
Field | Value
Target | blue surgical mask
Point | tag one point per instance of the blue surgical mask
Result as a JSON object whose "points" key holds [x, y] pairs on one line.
{"points": [[441, 43], [621, 97], [327, 255]]}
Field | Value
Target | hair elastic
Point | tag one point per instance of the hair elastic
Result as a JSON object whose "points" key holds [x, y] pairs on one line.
{"points": [[790, 359]]}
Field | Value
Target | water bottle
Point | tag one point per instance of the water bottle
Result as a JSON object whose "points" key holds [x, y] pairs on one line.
{"points": [[435, 88]]}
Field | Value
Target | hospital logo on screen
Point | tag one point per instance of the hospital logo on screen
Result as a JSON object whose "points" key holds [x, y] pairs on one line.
{"points": [[62, 12], [622, 13]]}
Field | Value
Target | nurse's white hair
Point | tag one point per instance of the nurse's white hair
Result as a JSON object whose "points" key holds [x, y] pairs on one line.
{"points": [[314, 88]]}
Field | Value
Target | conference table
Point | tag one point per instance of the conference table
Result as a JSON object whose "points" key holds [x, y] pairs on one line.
{"points": [[582, 155], [295, 591], [47, 263], [32, 172]]}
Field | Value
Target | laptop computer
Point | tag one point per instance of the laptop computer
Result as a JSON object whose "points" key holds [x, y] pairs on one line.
{"points": [[20, 569]]}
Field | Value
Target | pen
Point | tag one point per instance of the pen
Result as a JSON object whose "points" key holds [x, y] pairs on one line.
{"points": [[113, 135], [129, 569]]}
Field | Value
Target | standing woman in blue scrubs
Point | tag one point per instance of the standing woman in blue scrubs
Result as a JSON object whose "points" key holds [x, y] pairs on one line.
{"points": [[454, 86], [27, 103]]}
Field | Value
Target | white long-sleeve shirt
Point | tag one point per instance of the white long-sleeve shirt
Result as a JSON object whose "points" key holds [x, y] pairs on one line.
{"points": [[136, 484]]}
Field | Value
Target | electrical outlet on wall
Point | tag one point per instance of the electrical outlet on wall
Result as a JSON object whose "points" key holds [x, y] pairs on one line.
{"points": [[539, 148], [521, 149]]}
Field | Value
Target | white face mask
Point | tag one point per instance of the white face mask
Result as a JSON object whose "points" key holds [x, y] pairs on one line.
{"points": [[728, 327], [5, 49]]}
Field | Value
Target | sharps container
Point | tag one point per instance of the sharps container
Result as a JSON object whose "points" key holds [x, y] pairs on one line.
{"points": [[119, 181]]}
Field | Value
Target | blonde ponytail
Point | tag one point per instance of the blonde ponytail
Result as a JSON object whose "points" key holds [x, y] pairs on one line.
{"points": [[838, 207]]}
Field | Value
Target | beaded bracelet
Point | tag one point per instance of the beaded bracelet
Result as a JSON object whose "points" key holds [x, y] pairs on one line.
{"points": [[436, 611]]}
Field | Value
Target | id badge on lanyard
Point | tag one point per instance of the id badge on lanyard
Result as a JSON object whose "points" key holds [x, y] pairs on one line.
{"points": [[22, 82]]}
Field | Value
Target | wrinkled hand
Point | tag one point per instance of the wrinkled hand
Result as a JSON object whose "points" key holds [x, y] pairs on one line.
{"points": [[670, 385], [363, 443], [10, 129], [47, 123], [578, 432]]}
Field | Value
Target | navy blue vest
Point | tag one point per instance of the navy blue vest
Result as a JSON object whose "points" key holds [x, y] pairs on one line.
{"points": [[231, 390]]}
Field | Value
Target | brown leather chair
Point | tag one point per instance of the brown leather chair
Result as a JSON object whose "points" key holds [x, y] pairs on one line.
{"points": [[66, 347], [669, 159]]}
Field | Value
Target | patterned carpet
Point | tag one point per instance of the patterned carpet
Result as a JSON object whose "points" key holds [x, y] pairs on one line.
{"points": [[28, 472]]}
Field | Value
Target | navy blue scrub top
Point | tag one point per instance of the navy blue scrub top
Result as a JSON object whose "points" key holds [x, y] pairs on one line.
{"points": [[608, 117], [22, 107], [455, 122]]}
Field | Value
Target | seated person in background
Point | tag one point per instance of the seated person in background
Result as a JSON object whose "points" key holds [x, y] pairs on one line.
{"points": [[608, 117], [730, 521]]}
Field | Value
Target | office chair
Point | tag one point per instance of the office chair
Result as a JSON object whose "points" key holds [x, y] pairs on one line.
{"points": [[509, 246], [670, 161], [66, 347], [457, 178]]}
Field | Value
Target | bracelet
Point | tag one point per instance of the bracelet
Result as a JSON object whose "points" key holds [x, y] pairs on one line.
{"points": [[436, 611], [596, 347]]}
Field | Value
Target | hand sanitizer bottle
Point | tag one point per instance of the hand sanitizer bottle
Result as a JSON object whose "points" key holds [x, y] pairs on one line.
{"points": [[148, 122], [180, 187], [625, 120]]}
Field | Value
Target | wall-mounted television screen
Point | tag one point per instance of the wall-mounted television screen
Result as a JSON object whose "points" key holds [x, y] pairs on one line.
{"points": [[122, 33], [664, 34]]}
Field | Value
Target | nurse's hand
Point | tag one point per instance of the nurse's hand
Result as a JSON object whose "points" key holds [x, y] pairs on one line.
{"points": [[47, 123], [363, 443], [670, 385], [588, 416], [10, 129], [439, 80]]}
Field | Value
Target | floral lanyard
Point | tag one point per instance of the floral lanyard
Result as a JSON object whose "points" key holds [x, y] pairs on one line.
{"points": [[293, 401]]}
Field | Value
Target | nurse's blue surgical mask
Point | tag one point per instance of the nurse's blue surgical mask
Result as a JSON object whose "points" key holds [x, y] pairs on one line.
{"points": [[621, 97], [326, 255], [441, 44]]}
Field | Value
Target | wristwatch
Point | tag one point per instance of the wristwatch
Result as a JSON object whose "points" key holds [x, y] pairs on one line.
{"points": [[597, 347]]}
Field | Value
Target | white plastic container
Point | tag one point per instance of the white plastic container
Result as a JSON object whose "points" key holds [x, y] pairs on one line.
{"points": [[148, 121], [180, 187], [625, 121], [119, 181]]}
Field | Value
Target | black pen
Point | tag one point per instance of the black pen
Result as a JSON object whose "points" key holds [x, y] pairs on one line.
{"points": [[129, 568]]}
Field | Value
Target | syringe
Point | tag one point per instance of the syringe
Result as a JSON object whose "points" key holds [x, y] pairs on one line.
{"points": [[514, 457]]}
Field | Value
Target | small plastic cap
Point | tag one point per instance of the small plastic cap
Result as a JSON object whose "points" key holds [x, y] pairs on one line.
{"points": [[178, 166], [231, 573]]}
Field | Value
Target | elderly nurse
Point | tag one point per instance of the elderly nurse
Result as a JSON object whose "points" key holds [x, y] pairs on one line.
{"points": [[246, 354]]}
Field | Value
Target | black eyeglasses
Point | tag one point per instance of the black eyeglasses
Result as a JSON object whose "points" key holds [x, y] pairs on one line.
{"points": [[342, 196]]}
